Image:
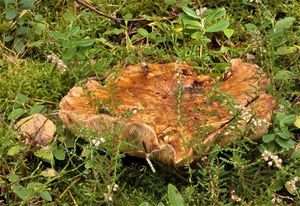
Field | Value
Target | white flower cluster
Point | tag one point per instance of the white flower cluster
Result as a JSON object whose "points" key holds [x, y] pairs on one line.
{"points": [[98, 142], [245, 115], [259, 122], [276, 200], [201, 11], [114, 189], [178, 74], [292, 183], [55, 60], [235, 197], [271, 159]]}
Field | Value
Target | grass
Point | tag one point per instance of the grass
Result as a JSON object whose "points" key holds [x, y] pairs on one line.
{"points": [[71, 171]]}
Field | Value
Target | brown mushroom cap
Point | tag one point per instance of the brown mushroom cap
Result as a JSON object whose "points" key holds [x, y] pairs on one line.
{"points": [[173, 111]]}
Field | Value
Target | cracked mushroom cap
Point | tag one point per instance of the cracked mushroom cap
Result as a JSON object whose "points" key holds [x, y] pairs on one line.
{"points": [[169, 112]]}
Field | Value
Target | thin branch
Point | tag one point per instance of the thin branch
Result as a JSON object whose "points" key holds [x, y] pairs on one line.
{"points": [[114, 18]]}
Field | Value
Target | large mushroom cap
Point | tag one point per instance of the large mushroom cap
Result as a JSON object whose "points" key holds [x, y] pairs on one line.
{"points": [[170, 112]]}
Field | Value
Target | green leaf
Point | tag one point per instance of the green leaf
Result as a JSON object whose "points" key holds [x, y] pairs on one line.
{"points": [[200, 37], [191, 13], [143, 32], [285, 143], [214, 14], [252, 28], [74, 31], [22, 30], [128, 16], [175, 198], [14, 150], [23, 193], [170, 2], [84, 42], [288, 119], [283, 135], [39, 28], [57, 35], [218, 26], [85, 152], [297, 122], [68, 53], [67, 44], [27, 4], [13, 177], [10, 13], [286, 50], [69, 16], [21, 99], [37, 109], [19, 46], [283, 75], [45, 154], [268, 138], [276, 185], [36, 43], [34, 185], [7, 38], [283, 24], [296, 154], [197, 35], [224, 49], [228, 33], [15, 114], [38, 17], [59, 153], [46, 195]]}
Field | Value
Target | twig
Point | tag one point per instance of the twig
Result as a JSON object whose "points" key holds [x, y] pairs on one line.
{"points": [[114, 18]]}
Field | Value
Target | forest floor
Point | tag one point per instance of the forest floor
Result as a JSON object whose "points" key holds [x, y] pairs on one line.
{"points": [[92, 38]]}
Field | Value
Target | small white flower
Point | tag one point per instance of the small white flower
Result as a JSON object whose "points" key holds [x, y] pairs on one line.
{"points": [[95, 142], [226, 133], [176, 68], [102, 140], [116, 187], [49, 57], [273, 201], [255, 122], [110, 198], [203, 159]]}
